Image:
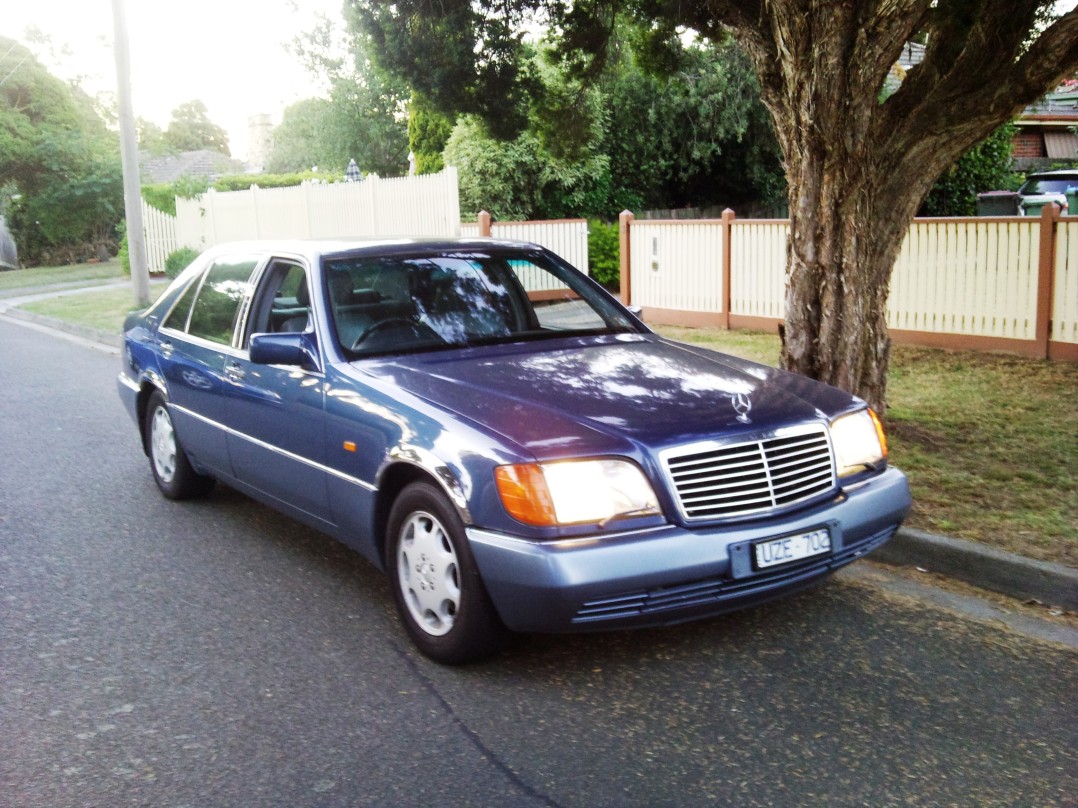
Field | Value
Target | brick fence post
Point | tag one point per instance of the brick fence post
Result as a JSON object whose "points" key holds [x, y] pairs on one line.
{"points": [[484, 224]]}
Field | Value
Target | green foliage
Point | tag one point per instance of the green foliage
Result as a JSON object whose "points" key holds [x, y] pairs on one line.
{"points": [[604, 253], [306, 137], [629, 140], [62, 160], [698, 136], [151, 139], [462, 59], [988, 166], [362, 119], [682, 124], [124, 254], [163, 195], [428, 132], [241, 182], [191, 129], [520, 179], [178, 260]]}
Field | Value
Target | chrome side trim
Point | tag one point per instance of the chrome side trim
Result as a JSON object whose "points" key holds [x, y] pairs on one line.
{"points": [[348, 478]]}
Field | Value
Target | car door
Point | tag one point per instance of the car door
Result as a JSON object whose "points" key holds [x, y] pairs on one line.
{"points": [[276, 413], [194, 342]]}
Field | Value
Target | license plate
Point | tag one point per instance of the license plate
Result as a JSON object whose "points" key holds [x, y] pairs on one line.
{"points": [[773, 552]]}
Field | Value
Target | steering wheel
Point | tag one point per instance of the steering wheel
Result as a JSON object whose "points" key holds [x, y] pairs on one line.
{"points": [[418, 331]]}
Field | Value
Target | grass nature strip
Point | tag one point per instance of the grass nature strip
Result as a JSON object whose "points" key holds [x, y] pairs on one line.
{"points": [[25, 281], [990, 442]]}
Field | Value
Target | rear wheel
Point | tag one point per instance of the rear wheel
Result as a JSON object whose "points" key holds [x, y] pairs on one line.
{"points": [[440, 596], [171, 469]]}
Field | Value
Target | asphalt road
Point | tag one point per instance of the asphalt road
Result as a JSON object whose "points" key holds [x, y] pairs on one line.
{"points": [[217, 654]]}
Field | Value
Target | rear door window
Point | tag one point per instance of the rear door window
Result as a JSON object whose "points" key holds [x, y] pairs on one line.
{"points": [[220, 299]]}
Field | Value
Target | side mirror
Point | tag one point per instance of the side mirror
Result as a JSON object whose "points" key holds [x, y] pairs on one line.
{"points": [[279, 349]]}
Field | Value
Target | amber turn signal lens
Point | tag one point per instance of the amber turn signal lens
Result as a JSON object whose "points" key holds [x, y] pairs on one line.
{"points": [[879, 431], [525, 495]]}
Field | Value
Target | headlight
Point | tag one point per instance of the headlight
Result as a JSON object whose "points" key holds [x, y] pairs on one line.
{"points": [[859, 442], [574, 492]]}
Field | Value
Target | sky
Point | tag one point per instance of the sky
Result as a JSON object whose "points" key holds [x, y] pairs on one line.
{"points": [[230, 54]]}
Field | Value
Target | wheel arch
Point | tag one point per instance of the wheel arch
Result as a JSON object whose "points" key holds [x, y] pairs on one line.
{"points": [[147, 388], [404, 468]]}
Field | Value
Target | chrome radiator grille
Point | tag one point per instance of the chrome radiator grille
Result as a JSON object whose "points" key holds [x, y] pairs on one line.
{"points": [[719, 481]]}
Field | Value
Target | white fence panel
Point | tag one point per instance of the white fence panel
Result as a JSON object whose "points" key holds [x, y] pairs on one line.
{"points": [[758, 267], [1065, 293], [193, 227], [967, 277], [281, 211], [426, 205], [676, 264], [567, 238], [159, 235], [343, 209]]}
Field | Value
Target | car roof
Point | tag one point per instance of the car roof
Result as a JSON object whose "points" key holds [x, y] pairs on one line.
{"points": [[317, 248], [1063, 172]]}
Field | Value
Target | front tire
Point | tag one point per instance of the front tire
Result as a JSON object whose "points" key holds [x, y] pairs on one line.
{"points": [[172, 470], [439, 594]]}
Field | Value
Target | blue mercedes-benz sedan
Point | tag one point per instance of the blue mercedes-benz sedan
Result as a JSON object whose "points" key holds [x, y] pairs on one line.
{"points": [[512, 446]]}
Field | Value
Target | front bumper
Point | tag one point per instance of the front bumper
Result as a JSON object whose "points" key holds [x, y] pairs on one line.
{"points": [[672, 574]]}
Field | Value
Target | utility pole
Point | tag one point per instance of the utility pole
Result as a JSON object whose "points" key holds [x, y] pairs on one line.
{"points": [[136, 244]]}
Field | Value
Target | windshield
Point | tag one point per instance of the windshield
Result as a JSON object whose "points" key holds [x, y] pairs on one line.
{"points": [[426, 301], [1050, 185]]}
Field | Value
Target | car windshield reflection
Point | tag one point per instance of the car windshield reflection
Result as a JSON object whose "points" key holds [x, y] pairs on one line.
{"points": [[423, 302]]}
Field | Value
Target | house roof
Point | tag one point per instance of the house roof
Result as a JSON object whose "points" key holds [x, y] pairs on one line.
{"points": [[202, 163]]}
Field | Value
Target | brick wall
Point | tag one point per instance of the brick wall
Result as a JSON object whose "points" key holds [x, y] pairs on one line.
{"points": [[1028, 145]]}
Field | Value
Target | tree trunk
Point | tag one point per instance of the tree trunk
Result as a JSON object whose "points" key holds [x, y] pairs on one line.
{"points": [[836, 293]]}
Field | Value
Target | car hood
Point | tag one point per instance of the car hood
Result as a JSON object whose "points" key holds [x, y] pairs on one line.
{"points": [[574, 397]]}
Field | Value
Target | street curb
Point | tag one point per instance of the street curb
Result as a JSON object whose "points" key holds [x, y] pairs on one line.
{"points": [[107, 338], [983, 566]]}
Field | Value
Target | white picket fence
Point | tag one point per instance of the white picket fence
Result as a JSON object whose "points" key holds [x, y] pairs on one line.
{"points": [[990, 279], [567, 238], [159, 233], [1065, 287], [967, 277]]}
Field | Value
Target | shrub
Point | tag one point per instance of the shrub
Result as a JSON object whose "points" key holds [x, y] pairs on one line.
{"points": [[604, 253], [123, 255], [178, 260]]}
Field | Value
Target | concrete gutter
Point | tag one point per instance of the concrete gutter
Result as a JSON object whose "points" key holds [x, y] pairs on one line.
{"points": [[984, 567], [105, 338], [975, 563], [9, 307]]}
